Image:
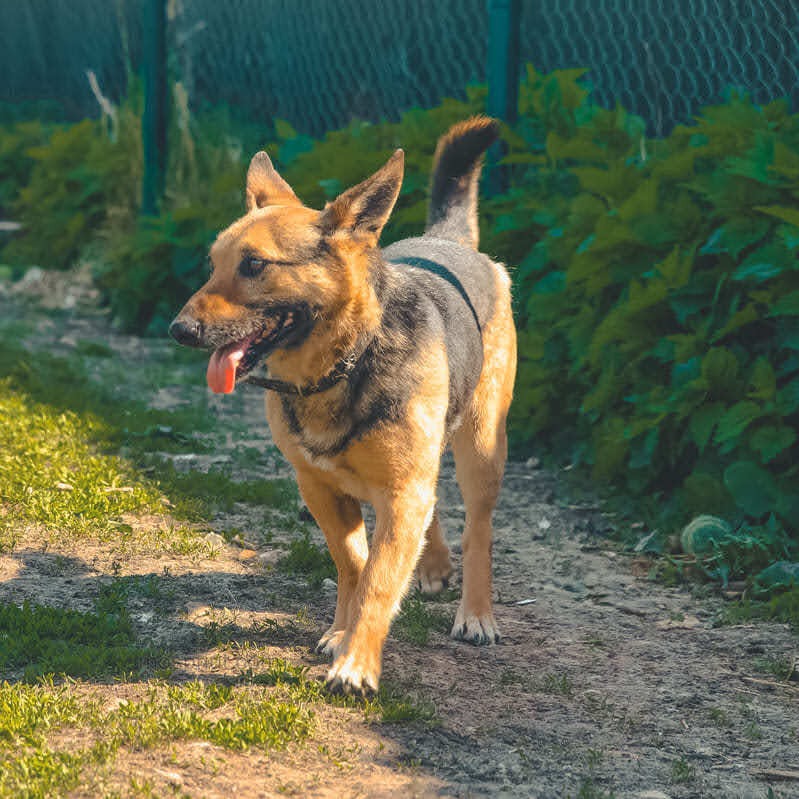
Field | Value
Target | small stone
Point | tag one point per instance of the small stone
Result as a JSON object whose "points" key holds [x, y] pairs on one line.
{"points": [[533, 463], [64, 487], [652, 795], [329, 586], [247, 554], [215, 540], [544, 524]]}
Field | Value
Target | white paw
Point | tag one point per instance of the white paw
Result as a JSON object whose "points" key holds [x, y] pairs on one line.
{"points": [[475, 629], [330, 643], [348, 676]]}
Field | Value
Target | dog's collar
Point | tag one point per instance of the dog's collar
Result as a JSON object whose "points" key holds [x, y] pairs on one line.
{"points": [[341, 371]]}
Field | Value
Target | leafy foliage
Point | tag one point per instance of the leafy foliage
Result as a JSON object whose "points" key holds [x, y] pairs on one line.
{"points": [[657, 308]]}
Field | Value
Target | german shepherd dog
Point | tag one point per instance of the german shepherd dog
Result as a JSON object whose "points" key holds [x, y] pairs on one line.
{"points": [[378, 360]]}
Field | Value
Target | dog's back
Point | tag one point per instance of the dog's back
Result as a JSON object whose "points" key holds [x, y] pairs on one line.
{"points": [[444, 266]]}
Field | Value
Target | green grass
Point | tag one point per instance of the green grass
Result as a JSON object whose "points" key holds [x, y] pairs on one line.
{"points": [[682, 771], [557, 684], [39, 640], [306, 559], [782, 607], [416, 620], [199, 494]]}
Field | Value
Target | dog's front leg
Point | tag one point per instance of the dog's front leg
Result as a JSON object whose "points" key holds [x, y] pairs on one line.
{"points": [[402, 518], [340, 519]]}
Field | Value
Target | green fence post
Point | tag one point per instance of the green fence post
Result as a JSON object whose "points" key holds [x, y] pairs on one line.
{"points": [[504, 25], [154, 120]]}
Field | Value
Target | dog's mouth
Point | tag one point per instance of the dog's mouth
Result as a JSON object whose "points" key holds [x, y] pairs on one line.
{"points": [[232, 362]]}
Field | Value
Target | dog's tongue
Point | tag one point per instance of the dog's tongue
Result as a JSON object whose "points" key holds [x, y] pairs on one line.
{"points": [[222, 367]]}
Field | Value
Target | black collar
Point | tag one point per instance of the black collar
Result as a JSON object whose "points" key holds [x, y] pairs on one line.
{"points": [[341, 371]]}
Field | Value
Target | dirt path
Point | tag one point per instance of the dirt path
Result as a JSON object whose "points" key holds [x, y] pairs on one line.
{"points": [[605, 684]]}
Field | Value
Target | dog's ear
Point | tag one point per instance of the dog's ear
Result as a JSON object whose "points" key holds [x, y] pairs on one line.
{"points": [[363, 210], [265, 186]]}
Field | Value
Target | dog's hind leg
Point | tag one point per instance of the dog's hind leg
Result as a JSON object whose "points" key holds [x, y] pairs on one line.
{"points": [[480, 447], [435, 564], [341, 521]]}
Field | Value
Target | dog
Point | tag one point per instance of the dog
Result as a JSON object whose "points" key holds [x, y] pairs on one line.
{"points": [[378, 359]]}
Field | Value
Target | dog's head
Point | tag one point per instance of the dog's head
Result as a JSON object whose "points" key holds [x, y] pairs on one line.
{"points": [[287, 282]]}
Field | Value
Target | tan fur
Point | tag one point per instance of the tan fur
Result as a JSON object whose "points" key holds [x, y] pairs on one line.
{"points": [[394, 465]]}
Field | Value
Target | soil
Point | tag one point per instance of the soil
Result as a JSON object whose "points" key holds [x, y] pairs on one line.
{"points": [[606, 683]]}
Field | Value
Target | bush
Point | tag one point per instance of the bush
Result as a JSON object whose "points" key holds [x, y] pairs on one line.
{"points": [[658, 309], [79, 178]]}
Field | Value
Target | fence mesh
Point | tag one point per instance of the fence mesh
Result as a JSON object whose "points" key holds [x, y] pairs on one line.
{"points": [[319, 63]]}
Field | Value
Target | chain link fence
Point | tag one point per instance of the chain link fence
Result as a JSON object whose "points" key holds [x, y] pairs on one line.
{"points": [[319, 63]]}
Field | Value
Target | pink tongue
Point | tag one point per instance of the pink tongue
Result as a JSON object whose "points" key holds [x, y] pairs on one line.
{"points": [[222, 367]]}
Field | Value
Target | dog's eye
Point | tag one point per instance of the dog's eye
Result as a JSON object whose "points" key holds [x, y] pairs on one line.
{"points": [[251, 266]]}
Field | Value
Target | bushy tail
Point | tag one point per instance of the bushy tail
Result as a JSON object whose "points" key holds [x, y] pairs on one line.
{"points": [[456, 172]]}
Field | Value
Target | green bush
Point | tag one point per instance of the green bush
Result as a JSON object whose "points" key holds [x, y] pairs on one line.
{"points": [[658, 308], [79, 178]]}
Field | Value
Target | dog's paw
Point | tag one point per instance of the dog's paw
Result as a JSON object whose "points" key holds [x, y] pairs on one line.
{"points": [[350, 677], [475, 629], [330, 643], [433, 571]]}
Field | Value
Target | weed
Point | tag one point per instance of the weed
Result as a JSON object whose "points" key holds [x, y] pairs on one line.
{"points": [[780, 667], [682, 771], [417, 619], [782, 607], [43, 640], [306, 559], [720, 717], [559, 685], [753, 732]]}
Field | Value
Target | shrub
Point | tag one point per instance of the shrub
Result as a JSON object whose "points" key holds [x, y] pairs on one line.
{"points": [[658, 308]]}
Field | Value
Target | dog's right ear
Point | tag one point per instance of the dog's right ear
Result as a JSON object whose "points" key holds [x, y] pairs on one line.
{"points": [[363, 210], [265, 186]]}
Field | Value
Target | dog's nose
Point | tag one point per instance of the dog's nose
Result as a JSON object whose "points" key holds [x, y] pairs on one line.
{"points": [[186, 331]]}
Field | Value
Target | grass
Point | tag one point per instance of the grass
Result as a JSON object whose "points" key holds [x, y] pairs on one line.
{"points": [[782, 607], [558, 685], [40, 640], [306, 559], [682, 771], [416, 620]]}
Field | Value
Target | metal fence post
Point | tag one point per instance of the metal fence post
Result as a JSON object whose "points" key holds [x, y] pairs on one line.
{"points": [[154, 120], [504, 24]]}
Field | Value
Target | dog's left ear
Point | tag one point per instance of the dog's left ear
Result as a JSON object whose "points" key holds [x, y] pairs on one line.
{"points": [[363, 210], [265, 186]]}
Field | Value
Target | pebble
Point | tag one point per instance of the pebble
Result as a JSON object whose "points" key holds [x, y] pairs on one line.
{"points": [[329, 586], [247, 554], [214, 539]]}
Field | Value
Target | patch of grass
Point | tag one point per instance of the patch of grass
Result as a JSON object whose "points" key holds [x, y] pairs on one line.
{"points": [[417, 619], [780, 667], [783, 607], [51, 475], [753, 732], [43, 640], [394, 706], [720, 717], [93, 349], [199, 494], [682, 771], [306, 559], [557, 684]]}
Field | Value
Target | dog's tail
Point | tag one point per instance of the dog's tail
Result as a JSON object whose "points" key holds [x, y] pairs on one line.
{"points": [[456, 172]]}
